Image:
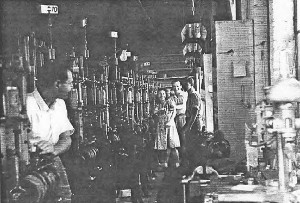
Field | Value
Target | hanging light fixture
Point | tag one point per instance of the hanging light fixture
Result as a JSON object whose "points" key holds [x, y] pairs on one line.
{"points": [[193, 36]]}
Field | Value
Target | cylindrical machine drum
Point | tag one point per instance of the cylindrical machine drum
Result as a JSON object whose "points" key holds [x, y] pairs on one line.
{"points": [[39, 184], [89, 153]]}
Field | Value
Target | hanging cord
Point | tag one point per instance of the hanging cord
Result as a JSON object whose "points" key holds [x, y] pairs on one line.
{"points": [[146, 13]]}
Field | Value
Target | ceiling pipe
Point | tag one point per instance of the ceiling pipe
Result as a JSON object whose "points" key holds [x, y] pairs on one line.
{"points": [[297, 37], [193, 7], [269, 42]]}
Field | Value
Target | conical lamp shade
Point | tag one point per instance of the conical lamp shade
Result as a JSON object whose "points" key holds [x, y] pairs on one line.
{"points": [[286, 90]]}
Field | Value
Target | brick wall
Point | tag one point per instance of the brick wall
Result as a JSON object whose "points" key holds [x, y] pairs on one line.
{"points": [[233, 113], [248, 39]]}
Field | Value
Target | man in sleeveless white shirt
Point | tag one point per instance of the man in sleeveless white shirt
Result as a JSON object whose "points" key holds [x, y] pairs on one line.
{"points": [[51, 128]]}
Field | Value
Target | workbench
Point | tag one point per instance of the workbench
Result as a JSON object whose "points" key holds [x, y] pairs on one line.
{"points": [[229, 189]]}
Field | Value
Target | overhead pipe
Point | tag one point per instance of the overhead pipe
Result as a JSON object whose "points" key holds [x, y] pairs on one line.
{"points": [[269, 42], [297, 37]]}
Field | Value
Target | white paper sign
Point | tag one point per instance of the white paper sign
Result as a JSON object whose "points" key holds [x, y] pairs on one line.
{"points": [[49, 9], [114, 34]]}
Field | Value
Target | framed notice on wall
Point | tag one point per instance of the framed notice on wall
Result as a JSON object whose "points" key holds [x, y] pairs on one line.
{"points": [[239, 69]]}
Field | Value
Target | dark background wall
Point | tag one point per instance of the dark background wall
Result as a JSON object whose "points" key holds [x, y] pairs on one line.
{"points": [[149, 27]]}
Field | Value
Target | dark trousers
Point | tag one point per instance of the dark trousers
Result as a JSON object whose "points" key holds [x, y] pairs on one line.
{"points": [[195, 153], [62, 193]]}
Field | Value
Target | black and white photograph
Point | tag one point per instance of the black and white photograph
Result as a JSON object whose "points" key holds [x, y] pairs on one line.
{"points": [[149, 101]]}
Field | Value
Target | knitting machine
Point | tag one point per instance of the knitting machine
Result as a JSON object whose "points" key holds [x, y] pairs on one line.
{"points": [[276, 130], [110, 110], [109, 107], [33, 177]]}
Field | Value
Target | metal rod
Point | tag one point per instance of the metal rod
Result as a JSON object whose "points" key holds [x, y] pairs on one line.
{"points": [[280, 156], [197, 82], [254, 65], [116, 60], [50, 30], [269, 42], [17, 191], [296, 32], [193, 7]]}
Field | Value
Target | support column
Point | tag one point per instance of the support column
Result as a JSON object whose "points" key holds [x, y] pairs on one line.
{"points": [[297, 33], [233, 9], [282, 41], [209, 116]]}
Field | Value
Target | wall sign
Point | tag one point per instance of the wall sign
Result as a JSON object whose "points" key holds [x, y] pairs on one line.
{"points": [[147, 64], [49, 9], [239, 69]]}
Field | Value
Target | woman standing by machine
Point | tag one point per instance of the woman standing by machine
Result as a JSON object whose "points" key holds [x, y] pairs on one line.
{"points": [[167, 138]]}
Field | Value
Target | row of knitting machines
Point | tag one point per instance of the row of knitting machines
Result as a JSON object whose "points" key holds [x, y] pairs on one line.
{"points": [[109, 107]]}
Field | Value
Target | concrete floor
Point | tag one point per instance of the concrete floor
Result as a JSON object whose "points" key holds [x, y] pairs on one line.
{"points": [[154, 189], [165, 188]]}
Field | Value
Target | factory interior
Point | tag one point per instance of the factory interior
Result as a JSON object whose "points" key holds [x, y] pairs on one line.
{"points": [[150, 101]]}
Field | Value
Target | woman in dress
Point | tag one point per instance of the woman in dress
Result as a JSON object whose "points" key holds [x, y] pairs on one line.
{"points": [[167, 138]]}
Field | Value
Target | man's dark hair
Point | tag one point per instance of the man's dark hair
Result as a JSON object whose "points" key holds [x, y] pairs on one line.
{"points": [[174, 81], [51, 72], [190, 80], [161, 88]]}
